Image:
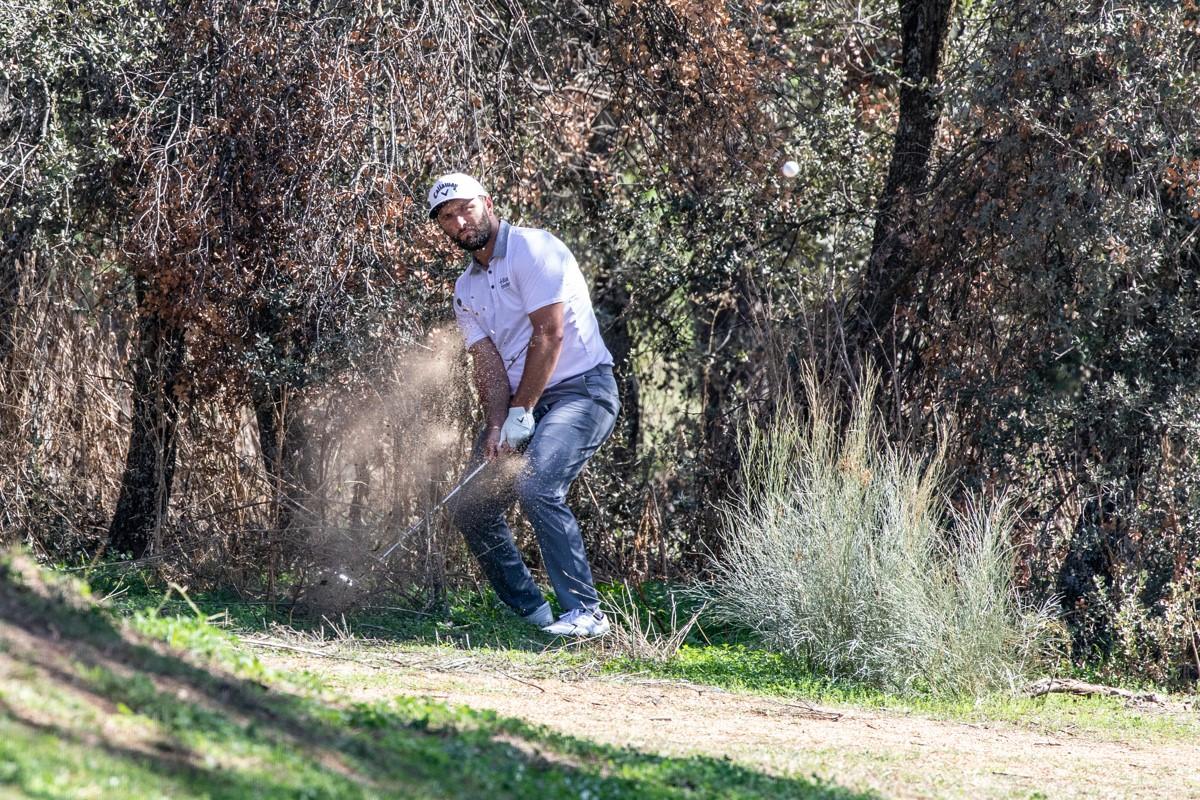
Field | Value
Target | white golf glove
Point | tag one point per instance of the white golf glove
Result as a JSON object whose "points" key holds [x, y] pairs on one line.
{"points": [[518, 428]]}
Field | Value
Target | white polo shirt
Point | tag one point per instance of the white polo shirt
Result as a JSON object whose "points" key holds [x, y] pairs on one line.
{"points": [[529, 269]]}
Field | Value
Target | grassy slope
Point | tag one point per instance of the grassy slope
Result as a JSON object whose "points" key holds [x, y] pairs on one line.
{"points": [[90, 707], [477, 628]]}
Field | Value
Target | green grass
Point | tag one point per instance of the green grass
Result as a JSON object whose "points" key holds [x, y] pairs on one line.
{"points": [[408, 747], [714, 655], [88, 709], [740, 668]]}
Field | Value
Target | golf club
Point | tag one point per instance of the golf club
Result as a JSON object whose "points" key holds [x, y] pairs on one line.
{"points": [[416, 525], [350, 577]]}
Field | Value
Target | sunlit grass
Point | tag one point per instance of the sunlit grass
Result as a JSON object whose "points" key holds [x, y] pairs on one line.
{"points": [[105, 712]]}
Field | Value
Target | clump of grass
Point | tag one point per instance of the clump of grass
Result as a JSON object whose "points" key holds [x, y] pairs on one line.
{"points": [[643, 636], [844, 550]]}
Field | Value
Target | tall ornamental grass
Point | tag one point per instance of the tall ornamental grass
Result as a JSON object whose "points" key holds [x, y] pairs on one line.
{"points": [[844, 549]]}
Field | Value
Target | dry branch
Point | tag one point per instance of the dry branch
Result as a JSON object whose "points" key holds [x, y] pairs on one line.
{"points": [[1047, 686]]}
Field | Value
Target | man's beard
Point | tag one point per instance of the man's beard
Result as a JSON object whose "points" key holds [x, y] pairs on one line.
{"points": [[478, 238]]}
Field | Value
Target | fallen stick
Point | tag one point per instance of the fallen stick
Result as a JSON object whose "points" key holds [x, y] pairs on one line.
{"points": [[1069, 686], [815, 713], [519, 680], [292, 647]]}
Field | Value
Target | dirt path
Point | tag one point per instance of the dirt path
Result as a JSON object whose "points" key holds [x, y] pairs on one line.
{"points": [[896, 755]]}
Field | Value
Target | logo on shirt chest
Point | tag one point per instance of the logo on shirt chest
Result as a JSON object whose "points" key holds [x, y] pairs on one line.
{"points": [[504, 282]]}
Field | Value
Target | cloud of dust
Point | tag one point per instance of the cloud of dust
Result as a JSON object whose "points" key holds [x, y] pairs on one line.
{"points": [[389, 453]]}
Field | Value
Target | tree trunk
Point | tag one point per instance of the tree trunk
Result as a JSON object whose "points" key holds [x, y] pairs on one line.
{"points": [[611, 300], [728, 377], [888, 280], [150, 462]]}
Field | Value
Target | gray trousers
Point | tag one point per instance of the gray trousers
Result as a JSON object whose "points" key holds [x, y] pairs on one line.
{"points": [[574, 417]]}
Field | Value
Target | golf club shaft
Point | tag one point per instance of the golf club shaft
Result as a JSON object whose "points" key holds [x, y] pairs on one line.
{"points": [[434, 510]]}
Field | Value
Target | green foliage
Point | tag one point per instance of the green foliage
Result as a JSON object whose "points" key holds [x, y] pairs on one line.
{"points": [[1064, 337], [1143, 635], [180, 725], [63, 69]]}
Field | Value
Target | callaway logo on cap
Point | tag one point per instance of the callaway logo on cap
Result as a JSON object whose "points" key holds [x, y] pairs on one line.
{"points": [[453, 186]]}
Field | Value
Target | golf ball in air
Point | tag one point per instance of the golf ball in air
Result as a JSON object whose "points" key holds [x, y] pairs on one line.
{"points": [[790, 169]]}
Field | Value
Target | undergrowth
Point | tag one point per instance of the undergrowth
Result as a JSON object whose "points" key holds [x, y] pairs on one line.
{"points": [[845, 550]]}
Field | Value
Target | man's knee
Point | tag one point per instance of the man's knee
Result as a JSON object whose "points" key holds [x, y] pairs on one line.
{"points": [[535, 488]]}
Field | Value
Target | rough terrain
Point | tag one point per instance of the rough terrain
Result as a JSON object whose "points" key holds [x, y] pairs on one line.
{"points": [[897, 755]]}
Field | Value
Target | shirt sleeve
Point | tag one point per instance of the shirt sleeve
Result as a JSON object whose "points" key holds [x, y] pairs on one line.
{"points": [[542, 274], [468, 323]]}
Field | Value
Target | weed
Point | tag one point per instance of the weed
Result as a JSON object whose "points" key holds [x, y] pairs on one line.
{"points": [[845, 551], [640, 634]]}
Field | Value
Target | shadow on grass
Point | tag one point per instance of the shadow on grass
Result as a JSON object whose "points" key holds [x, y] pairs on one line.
{"points": [[470, 619], [205, 732]]}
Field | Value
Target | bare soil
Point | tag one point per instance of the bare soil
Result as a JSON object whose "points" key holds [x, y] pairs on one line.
{"points": [[896, 755]]}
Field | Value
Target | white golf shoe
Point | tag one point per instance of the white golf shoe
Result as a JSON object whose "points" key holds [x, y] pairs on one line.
{"points": [[581, 622], [540, 616]]}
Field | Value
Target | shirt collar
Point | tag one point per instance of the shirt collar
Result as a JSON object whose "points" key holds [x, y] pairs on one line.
{"points": [[499, 251]]}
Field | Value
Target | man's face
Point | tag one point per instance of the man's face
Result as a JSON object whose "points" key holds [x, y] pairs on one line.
{"points": [[467, 222]]}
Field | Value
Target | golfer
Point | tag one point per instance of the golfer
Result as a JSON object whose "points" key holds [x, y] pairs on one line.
{"points": [[544, 378]]}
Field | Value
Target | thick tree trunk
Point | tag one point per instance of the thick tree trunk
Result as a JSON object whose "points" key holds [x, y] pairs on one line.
{"points": [[891, 270], [150, 462]]}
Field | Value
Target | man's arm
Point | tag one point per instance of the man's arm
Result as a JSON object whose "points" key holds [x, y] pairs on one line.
{"points": [[491, 384], [544, 347]]}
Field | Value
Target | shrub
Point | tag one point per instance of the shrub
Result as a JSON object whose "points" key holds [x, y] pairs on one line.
{"points": [[844, 549]]}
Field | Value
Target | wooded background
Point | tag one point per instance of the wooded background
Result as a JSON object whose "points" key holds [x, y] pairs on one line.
{"points": [[218, 282]]}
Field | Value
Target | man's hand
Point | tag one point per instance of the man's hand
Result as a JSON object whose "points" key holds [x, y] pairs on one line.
{"points": [[491, 443], [517, 430]]}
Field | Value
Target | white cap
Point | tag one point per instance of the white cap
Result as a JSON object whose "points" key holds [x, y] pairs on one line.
{"points": [[453, 186]]}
